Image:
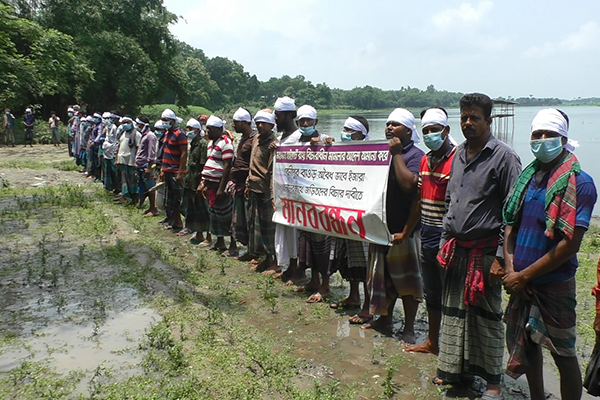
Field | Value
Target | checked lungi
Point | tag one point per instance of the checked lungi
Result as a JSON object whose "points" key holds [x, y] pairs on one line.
{"points": [[349, 257], [173, 192], [472, 336], [220, 213], [195, 209], [239, 220], [129, 180], [109, 172], [313, 251], [394, 272], [260, 224], [547, 319]]}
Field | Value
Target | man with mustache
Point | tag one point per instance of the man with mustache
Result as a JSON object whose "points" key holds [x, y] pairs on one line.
{"points": [[471, 249]]}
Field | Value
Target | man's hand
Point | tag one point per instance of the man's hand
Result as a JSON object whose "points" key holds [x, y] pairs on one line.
{"points": [[315, 141], [220, 194], [246, 192], [496, 272], [329, 141], [514, 283], [180, 178], [161, 176], [397, 238], [273, 146], [396, 146]]}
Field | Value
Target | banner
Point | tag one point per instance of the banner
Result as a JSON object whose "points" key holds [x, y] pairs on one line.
{"points": [[336, 190]]}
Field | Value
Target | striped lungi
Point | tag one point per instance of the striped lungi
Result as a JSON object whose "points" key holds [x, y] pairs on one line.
{"points": [[547, 319], [472, 337], [314, 250], [239, 220], [220, 215], [394, 272], [109, 172], [195, 209], [260, 224], [349, 257], [173, 192]]}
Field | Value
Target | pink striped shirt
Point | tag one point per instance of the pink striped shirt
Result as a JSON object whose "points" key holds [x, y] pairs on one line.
{"points": [[218, 151]]}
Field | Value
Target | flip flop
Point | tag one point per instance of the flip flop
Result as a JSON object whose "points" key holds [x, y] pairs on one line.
{"points": [[151, 214], [360, 319], [185, 231], [343, 304]]}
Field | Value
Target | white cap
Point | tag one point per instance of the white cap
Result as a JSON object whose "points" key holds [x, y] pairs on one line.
{"points": [[215, 122], [168, 114], [264, 116], [193, 123], [28, 109], [158, 125], [97, 115], [307, 111], [89, 118], [242, 115], [285, 104]]}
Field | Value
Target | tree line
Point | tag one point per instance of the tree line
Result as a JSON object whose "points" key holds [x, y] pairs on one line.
{"points": [[120, 54]]}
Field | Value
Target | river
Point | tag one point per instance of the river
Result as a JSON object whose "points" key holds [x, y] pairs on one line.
{"points": [[584, 125]]}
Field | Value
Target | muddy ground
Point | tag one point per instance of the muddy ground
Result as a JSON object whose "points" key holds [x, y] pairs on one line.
{"points": [[97, 301]]}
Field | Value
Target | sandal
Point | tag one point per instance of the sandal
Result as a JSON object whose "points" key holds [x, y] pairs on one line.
{"points": [[185, 231], [343, 304], [359, 319]]}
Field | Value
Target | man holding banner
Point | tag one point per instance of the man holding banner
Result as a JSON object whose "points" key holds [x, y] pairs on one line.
{"points": [[395, 271]]}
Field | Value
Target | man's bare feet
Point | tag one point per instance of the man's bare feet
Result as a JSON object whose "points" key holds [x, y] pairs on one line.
{"points": [[278, 275], [272, 269], [360, 318], [317, 297], [380, 324], [408, 337], [426, 347]]}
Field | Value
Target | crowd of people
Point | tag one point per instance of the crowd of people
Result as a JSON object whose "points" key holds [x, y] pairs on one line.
{"points": [[466, 220]]}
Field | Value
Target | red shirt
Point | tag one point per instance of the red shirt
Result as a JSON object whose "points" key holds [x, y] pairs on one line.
{"points": [[174, 140]]}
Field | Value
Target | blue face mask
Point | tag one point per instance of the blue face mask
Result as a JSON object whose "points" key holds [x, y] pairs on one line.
{"points": [[433, 140], [127, 127], [167, 124], [97, 120], [546, 150], [191, 135], [309, 130], [69, 114], [346, 136], [158, 133], [84, 124]]}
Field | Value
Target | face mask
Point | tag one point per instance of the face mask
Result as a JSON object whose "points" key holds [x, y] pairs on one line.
{"points": [[97, 120], [546, 150], [84, 124], [191, 135], [433, 140], [167, 124], [309, 130], [346, 137], [127, 127], [158, 133], [69, 114]]}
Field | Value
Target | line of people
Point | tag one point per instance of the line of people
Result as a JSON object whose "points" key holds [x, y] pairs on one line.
{"points": [[466, 221]]}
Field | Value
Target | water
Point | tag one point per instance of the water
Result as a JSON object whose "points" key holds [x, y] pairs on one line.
{"points": [[584, 125]]}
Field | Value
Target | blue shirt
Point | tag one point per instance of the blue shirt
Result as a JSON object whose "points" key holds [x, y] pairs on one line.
{"points": [[532, 243], [29, 119]]}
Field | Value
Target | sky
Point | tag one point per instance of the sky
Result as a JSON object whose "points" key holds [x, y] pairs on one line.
{"points": [[518, 48]]}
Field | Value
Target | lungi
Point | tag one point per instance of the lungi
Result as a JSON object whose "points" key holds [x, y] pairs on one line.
{"points": [[260, 224], [195, 209]]}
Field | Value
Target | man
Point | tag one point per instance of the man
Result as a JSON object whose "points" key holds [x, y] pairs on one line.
{"points": [[9, 128], [70, 129], [109, 152], [483, 172], [286, 237], [144, 159], [29, 122], [92, 147], [395, 271], [174, 166], [215, 177], [129, 141], [546, 215], [435, 173], [197, 219], [53, 124], [259, 192], [242, 123]]}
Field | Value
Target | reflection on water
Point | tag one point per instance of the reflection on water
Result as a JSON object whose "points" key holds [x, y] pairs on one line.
{"points": [[584, 127]]}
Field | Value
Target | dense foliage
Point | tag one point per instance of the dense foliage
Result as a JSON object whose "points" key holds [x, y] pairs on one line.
{"points": [[120, 54]]}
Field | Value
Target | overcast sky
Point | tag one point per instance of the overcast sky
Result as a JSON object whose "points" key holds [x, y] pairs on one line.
{"points": [[544, 48]]}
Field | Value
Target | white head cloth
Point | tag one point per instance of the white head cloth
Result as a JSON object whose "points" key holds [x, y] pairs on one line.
{"points": [[434, 116], [106, 114], [550, 119], [89, 118], [97, 115], [125, 119], [264, 116], [140, 122], [28, 110], [193, 123], [407, 119], [71, 109], [285, 104], [168, 114], [307, 111], [215, 122], [158, 125], [356, 125], [242, 115]]}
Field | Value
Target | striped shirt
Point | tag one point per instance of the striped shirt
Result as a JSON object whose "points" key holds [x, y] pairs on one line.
{"points": [[218, 151], [433, 183], [174, 140], [532, 244]]}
